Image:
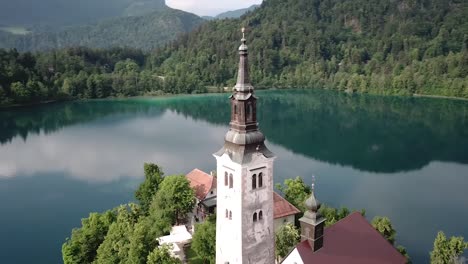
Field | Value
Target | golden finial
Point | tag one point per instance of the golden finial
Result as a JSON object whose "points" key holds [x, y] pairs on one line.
{"points": [[243, 32]]}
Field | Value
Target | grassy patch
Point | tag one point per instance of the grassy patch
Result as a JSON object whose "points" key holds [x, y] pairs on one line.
{"points": [[192, 257]]}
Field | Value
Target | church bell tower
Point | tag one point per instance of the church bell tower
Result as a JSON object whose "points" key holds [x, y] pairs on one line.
{"points": [[244, 225]]}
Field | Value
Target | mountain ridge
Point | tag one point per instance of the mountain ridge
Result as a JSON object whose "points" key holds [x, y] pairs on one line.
{"points": [[144, 32], [57, 14]]}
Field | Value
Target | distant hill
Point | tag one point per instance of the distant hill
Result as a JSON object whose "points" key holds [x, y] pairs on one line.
{"points": [[232, 14], [57, 14], [144, 32], [236, 13]]}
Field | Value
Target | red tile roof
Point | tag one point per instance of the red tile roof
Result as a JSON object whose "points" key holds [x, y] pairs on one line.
{"points": [[351, 240], [282, 207], [202, 182]]}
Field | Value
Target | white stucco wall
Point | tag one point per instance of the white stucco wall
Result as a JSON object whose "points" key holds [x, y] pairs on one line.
{"points": [[283, 220], [210, 195], [240, 240]]}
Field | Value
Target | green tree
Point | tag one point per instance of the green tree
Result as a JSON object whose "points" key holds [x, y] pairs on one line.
{"points": [[176, 197], [287, 238], [295, 191], [115, 247], [447, 251], [146, 191], [162, 255], [204, 240], [19, 93], [384, 226], [84, 242]]}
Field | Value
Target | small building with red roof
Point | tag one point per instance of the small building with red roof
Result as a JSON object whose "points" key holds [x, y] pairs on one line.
{"points": [[204, 185], [283, 211], [351, 240]]}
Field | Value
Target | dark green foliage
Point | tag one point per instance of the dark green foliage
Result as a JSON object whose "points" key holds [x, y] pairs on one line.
{"points": [[78, 73], [53, 14], [84, 241], [286, 238], [386, 47], [115, 247], [143, 32], [175, 197], [162, 255], [126, 234], [204, 240], [295, 191], [334, 215], [146, 191]]}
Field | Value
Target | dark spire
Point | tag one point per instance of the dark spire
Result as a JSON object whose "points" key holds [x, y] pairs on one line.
{"points": [[244, 137], [312, 223], [243, 77]]}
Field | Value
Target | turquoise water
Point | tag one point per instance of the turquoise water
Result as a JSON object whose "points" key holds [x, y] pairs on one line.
{"points": [[404, 158]]}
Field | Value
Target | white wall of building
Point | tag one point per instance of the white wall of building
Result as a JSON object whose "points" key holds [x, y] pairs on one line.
{"points": [[283, 220], [240, 240], [293, 258]]}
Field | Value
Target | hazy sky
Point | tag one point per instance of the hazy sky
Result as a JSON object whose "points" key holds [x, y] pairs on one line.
{"points": [[210, 7]]}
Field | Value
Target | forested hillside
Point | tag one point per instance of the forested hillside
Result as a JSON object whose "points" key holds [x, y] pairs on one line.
{"points": [[372, 46], [60, 13], [143, 32], [378, 46]]}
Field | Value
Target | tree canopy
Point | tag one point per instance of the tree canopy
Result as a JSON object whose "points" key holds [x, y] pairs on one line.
{"points": [[286, 238], [146, 191], [204, 240], [447, 250], [128, 233]]}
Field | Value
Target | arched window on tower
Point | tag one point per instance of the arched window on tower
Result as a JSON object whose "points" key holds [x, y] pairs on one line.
{"points": [[227, 213], [260, 180], [249, 112], [231, 181], [226, 180], [255, 217], [254, 181], [260, 215], [235, 109], [230, 215]]}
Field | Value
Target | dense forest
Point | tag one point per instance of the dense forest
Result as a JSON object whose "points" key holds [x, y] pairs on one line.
{"points": [[82, 73], [386, 47], [56, 14], [145, 32], [402, 47]]}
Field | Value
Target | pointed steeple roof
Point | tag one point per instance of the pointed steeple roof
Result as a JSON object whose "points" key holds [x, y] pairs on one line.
{"points": [[243, 77], [244, 139]]}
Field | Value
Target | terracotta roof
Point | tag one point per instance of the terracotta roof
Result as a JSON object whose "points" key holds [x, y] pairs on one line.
{"points": [[351, 240], [202, 182], [282, 207]]}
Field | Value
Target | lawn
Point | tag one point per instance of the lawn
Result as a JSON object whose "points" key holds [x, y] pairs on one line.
{"points": [[192, 257]]}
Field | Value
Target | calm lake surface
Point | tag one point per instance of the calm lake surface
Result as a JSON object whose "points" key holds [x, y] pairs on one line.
{"points": [[404, 158]]}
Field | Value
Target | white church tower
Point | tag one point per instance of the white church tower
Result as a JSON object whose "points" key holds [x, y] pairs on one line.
{"points": [[244, 225]]}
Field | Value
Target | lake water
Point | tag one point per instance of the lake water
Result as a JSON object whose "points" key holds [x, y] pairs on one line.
{"points": [[404, 158]]}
